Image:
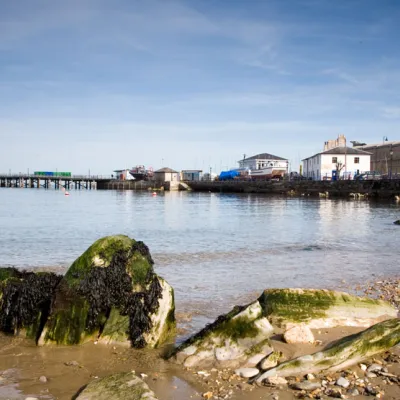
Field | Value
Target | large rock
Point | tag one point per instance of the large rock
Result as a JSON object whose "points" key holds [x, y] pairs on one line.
{"points": [[340, 355], [123, 386], [322, 308], [238, 337], [230, 341], [25, 299], [111, 294]]}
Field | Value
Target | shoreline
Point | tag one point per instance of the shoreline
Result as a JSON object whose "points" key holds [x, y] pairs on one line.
{"points": [[22, 364]]}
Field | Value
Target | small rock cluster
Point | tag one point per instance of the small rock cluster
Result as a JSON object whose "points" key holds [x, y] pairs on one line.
{"points": [[367, 379]]}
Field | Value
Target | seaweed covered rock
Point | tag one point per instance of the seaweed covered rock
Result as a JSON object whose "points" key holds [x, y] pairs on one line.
{"points": [[341, 354], [25, 299], [123, 386], [322, 308], [397, 222], [111, 294], [233, 339]]}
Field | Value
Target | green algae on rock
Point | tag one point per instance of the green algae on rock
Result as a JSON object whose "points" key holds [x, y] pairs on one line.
{"points": [[123, 386], [229, 341], [25, 299], [340, 355], [111, 294], [322, 308], [242, 335]]}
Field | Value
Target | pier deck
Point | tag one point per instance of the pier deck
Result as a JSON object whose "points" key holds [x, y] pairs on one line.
{"points": [[78, 182]]}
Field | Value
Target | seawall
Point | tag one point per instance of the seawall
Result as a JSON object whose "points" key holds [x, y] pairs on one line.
{"points": [[383, 189]]}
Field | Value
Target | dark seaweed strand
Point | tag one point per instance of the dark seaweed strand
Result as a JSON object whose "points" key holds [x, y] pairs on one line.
{"points": [[143, 250], [105, 288], [24, 296]]}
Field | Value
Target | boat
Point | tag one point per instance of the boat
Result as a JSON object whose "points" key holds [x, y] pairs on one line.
{"points": [[273, 170], [140, 173]]}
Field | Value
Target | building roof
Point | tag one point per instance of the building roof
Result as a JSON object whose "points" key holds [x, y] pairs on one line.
{"points": [[264, 156], [166, 170], [192, 170], [121, 170], [342, 150]]}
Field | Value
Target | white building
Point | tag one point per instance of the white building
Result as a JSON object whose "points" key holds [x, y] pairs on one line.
{"points": [[262, 160], [166, 175], [344, 161]]}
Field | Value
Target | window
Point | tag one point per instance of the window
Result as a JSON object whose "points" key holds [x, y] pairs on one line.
{"points": [[356, 160], [334, 160]]}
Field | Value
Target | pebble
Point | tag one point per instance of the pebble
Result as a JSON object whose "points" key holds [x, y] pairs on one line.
{"points": [[43, 379], [306, 385], [353, 392], [343, 382], [72, 363], [374, 368], [247, 372], [276, 380], [310, 377], [31, 398], [370, 375], [371, 390], [270, 361], [363, 367]]}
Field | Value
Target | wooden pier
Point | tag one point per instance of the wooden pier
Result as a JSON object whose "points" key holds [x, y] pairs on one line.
{"points": [[77, 182]]}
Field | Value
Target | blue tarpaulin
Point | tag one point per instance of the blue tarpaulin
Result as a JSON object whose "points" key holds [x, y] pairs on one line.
{"points": [[228, 175]]}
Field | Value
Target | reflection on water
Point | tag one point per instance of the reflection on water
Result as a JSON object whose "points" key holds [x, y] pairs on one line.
{"points": [[215, 250]]}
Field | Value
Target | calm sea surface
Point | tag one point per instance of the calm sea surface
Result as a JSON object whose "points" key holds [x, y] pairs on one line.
{"points": [[216, 250]]}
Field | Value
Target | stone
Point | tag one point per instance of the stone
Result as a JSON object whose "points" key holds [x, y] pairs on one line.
{"points": [[322, 308], [306, 385], [253, 361], [299, 333], [363, 367], [232, 340], [374, 368], [310, 377], [276, 381], [343, 382], [123, 386], [31, 398], [343, 353], [247, 372], [271, 360], [397, 222], [370, 375], [25, 300], [43, 379], [72, 363], [353, 392], [111, 294]]}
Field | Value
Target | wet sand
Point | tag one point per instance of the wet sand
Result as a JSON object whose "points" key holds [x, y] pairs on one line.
{"points": [[68, 369]]}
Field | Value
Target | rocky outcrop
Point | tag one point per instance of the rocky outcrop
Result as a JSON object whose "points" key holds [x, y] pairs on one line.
{"points": [[232, 340], [241, 337], [322, 308], [123, 386], [342, 354], [25, 299], [111, 294]]}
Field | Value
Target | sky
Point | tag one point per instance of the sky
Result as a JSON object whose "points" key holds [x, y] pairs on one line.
{"points": [[99, 85]]}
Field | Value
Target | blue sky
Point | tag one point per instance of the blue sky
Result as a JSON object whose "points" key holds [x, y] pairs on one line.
{"points": [[101, 84]]}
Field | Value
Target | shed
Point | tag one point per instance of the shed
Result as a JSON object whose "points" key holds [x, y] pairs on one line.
{"points": [[166, 175]]}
